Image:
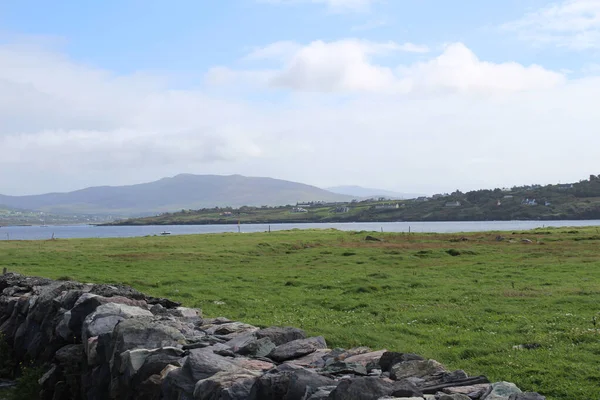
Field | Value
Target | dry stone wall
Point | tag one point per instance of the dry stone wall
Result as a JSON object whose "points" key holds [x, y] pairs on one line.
{"points": [[99, 342]]}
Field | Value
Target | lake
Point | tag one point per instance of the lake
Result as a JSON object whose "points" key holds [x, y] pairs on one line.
{"points": [[90, 231]]}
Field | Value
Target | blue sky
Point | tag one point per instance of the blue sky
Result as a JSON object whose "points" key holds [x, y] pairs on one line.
{"points": [[444, 94], [189, 36]]}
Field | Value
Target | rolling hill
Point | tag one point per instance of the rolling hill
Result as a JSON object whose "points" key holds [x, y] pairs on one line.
{"points": [[184, 191]]}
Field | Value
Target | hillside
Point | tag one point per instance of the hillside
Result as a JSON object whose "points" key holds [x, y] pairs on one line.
{"points": [[363, 192], [552, 202], [183, 191]]}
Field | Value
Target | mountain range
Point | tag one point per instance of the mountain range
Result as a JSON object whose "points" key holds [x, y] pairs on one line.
{"points": [[184, 191]]}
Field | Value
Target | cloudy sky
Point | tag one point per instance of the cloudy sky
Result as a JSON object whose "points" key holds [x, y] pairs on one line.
{"points": [[407, 95]]}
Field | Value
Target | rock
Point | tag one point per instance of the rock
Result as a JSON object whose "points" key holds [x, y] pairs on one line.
{"points": [[149, 389], [322, 393], [203, 363], [370, 238], [230, 385], [502, 391], [526, 396], [365, 359], [460, 385], [312, 360], [257, 348], [297, 348], [473, 391], [416, 368], [456, 396], [365, 388], [341, 367], [144, 332], [287, 382], [230, 330], [406, 389], [303, 382], [69, 355], [281, 336], [253, 364], [390, 358]]}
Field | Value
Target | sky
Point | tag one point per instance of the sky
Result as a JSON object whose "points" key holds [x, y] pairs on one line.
{"points": [[418, 96]]}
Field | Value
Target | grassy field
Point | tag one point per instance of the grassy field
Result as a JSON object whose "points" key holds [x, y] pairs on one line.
{"points": [[465, 300]]}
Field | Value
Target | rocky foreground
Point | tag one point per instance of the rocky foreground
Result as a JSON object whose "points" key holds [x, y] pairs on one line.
{"points": [[112, 342]]}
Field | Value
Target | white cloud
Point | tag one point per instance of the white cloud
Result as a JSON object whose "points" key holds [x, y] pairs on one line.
{"points": [[65, 125], [571, 23], [348, 66], [458, 69]]}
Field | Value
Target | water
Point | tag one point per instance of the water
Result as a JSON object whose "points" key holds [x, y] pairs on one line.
{"points": [[90, 231]]}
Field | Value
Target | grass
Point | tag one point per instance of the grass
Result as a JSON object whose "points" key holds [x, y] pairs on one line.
{"points": [[465, 300]]}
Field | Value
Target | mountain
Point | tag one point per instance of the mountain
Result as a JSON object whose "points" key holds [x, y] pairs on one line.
{"points": [[362, 192], [183, 191]]}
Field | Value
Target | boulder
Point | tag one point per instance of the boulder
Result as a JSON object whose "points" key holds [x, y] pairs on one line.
{"points": [[365, 359], [343, 367], [287, 382], [257, 348], [526, 396], [364, 388], [456, 396], [416, 369], [389, 358], [502, 391], [230, 385], [297, 348], [281, 336]]}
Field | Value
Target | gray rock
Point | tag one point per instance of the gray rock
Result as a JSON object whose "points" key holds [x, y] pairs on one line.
{"points": [[257, 348], [406, 389], [288, 382], [321, 393], [312, 360], [204, 363], [297, 348], [280, 335], [230, 385], [526, 396], [342, 367], [371, 357], [455, 396], [416, 368], [502, 391], [473, 391], [230, 330], [389, 358], [365, 388], [144, 332]]}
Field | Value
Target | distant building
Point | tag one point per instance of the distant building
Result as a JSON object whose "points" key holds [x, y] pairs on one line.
{"points": [[565, 186], [226, 213], [508, 196], [342, 210], [453, 204], [422, 199], [299, 210], [529, 202]]}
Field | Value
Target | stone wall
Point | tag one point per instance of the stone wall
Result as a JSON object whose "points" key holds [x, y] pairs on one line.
{"points": [[101, 342]]}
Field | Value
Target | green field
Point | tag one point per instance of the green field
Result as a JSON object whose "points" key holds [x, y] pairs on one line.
{"points": [[463, 299]]}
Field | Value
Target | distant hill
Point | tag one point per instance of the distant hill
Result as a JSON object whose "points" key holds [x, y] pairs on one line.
{"points": [[363, 192], [183, 191]]}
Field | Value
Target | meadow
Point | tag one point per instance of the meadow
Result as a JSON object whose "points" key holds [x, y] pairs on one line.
{"points": [[523, 308]]}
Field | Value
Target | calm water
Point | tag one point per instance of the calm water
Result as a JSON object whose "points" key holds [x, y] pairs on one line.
{"points": [[89, 231]]}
